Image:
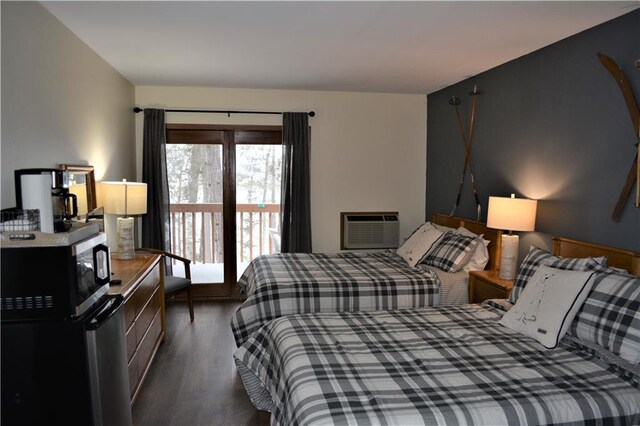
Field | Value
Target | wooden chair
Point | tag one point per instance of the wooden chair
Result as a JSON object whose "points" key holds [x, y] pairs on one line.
{"points": [[176, 285]]}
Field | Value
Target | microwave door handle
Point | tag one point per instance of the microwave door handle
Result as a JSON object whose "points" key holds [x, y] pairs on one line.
{"points": [[101, 270]]}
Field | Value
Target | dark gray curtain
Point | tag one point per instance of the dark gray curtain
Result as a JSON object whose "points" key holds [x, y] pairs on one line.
{"points": [[295, 229], [156, 226]]}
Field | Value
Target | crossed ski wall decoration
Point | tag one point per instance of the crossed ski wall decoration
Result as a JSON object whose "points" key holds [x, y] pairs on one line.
{"points": [[632, 105], [467, 150]]}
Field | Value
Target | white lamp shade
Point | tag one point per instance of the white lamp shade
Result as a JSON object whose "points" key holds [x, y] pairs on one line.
{"points": [[80, 191], [512, 214], [123, 198]]}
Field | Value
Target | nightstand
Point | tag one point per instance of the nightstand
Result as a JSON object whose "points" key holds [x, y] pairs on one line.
{"points": [[485, 285]]}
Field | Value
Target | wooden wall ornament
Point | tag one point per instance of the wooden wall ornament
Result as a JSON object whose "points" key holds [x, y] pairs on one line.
{"points": [[634, 112], [467, 150]]}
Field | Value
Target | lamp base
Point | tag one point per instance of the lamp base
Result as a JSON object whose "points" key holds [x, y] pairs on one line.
{"points": [[126, 238], [509, 258]]}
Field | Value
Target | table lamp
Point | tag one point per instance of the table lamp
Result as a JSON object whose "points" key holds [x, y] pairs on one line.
{"points": [[511, 214], [124, 198]]}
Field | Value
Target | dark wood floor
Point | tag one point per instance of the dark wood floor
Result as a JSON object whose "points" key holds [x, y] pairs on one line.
{"points": [[193, 379]]}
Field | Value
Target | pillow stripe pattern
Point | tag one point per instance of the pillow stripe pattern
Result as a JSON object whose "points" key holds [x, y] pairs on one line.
{"points": [[610, 316], [451, 252], [537, 257]]}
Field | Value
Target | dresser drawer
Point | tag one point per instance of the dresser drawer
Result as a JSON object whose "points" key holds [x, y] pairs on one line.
{"points": [[148, 344], [129, 313], [146, 288], [132, 342], [141, 295], [133, 375], [148, 313], [139, 310], [140, 360], [143, 312]]}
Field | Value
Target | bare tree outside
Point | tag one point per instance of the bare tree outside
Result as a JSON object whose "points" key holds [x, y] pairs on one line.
{"points": [[258, 176]]}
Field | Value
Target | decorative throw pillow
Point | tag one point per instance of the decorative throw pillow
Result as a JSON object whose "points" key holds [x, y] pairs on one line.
{"points": [[480, 256], [451, 252], [537, 257], [610, 317], [548, 304], [419, 243]]}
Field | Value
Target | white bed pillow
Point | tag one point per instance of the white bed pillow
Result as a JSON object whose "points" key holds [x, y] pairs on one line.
{"points": [[547, 305], [480, 256], [419, 243]]}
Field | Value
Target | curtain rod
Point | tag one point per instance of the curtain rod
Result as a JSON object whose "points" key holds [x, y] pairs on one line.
{"points": [[216, 111]]}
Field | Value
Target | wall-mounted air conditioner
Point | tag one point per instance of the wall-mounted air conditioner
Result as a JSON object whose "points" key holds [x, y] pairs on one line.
{"points": [[369, 230]]}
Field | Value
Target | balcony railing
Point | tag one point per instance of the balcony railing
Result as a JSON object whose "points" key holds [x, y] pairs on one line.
{"points": [[196, 231]]}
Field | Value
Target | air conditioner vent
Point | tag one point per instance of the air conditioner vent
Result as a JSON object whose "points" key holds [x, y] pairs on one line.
{"points": [[26, 303], [369, 230]]}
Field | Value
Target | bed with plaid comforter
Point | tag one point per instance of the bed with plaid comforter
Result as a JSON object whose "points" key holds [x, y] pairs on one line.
{"points": [[452, 365], [285, 284]]}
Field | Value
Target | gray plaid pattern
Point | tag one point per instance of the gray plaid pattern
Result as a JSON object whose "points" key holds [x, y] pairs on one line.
{"points": [[294, 283], [610, 317], [452, 365], [537, 257], [450, 252]]}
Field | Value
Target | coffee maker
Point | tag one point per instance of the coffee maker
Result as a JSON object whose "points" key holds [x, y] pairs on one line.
{"points": [[48, 191]]}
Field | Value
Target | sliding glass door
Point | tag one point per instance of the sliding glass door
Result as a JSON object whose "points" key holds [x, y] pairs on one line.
{"points": [[258, 175], [195, 173], [209, 168]]}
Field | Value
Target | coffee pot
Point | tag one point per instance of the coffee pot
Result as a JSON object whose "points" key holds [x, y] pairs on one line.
{"points": [[48, 191]]}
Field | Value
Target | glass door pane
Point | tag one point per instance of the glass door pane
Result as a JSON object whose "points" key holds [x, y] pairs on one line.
{"points": [[195, 174], [258, 175]]}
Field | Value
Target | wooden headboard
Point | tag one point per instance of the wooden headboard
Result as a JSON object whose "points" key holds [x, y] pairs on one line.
{"points": [[616, 257], [493, 235]]}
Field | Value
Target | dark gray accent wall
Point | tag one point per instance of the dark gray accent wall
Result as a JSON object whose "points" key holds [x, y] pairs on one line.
{"points": [[551, 125]]}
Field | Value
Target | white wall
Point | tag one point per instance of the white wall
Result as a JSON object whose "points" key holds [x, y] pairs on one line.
{"points": [[368, 150], [61, 102]]}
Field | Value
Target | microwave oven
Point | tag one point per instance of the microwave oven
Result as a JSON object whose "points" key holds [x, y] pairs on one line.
{"points": [[53, 282]]}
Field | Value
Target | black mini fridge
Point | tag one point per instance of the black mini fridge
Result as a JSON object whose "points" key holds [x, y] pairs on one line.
{"points": [[67, 371]]}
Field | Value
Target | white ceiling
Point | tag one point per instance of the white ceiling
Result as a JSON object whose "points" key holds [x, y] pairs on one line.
{"points": [[396, 47]]}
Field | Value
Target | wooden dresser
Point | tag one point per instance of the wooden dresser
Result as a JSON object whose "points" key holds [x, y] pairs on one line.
{"points": [[143, 291]]}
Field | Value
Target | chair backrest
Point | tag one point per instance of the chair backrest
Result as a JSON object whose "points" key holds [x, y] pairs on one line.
{"points": [[275, 238]]}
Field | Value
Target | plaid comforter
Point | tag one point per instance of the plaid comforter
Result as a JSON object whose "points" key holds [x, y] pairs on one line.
{"points": [[452, 365], [284, 284]]}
